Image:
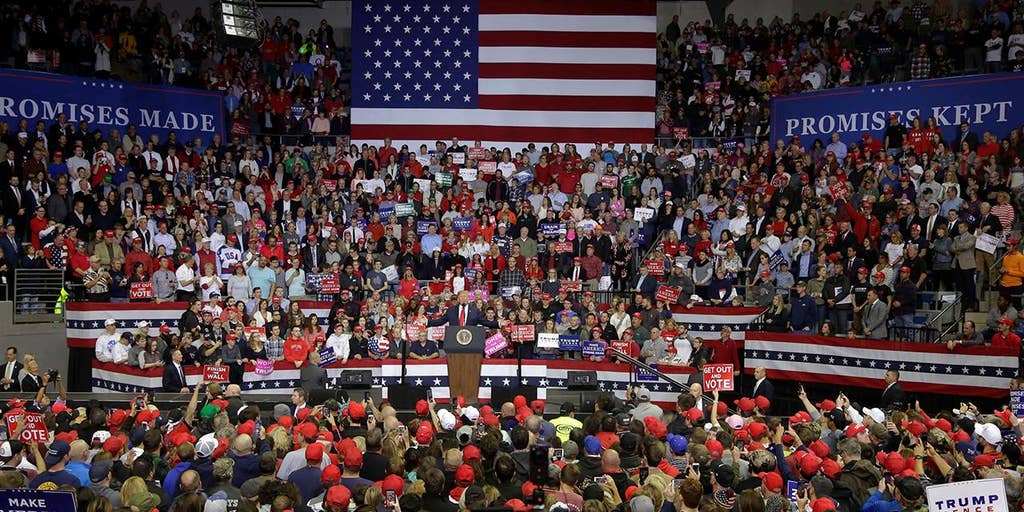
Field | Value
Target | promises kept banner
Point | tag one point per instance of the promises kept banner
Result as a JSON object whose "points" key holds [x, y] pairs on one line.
{"points": [[986, 102], [108, 104]]}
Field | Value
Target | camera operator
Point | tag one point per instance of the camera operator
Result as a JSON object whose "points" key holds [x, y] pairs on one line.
{"points": [[97, 281]]}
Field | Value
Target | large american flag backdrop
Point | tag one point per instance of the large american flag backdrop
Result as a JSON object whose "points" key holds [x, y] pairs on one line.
{"points": [[505, 72], [923, 367]]}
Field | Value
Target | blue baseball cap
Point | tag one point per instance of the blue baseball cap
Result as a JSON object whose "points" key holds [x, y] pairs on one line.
{"points": [[677, 444], [592, 445]]}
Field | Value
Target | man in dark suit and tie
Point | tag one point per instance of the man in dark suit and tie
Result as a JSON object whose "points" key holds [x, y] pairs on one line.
{"points": [[14, 207], [762, 386], [10, 380], [966, 135], [12, 249], [312, 256], [174, 375], [463, 313], [893, 396], [645, 284]]}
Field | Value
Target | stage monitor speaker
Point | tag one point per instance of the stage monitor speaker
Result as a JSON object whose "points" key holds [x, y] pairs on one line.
{"points": [[581, 380], [355, 379], [405, 396], [318, 396], [502, 395]]}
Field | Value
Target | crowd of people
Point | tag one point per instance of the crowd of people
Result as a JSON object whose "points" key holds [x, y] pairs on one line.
{"points": [[716, 81], [221, 452], [293, 81]]}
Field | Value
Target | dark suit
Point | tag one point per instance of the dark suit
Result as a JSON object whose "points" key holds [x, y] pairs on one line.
{"points": [[569, 272], [970, 137], [15, 376], [894, 396], [12, 251], [31, 383], [8, 169], [648, 285], [765, 389], [173, 381], [309, 261], [12, 202], [473, 317]]}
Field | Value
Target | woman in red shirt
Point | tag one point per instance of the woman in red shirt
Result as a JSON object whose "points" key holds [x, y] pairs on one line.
{"points": [[295, 347], [408, 285]]}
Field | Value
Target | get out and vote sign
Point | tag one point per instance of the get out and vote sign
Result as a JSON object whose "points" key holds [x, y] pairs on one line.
{"points": [[718, 377]]}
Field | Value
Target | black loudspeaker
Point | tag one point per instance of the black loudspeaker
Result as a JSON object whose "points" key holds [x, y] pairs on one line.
{"points": [[502, 395], [355, 379], [318, 396], [405, 396], [582, 380]]}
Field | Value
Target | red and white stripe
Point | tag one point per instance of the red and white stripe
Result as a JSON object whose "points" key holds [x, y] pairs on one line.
{"points": [[580, 72], [902, 356]]}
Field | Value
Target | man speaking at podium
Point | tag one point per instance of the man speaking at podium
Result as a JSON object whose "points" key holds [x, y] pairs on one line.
{"points": [[462, 314]]}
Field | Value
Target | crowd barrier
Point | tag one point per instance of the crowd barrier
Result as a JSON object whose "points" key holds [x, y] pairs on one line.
{"points": [[546, 375], [924, 367], [981, 371]]}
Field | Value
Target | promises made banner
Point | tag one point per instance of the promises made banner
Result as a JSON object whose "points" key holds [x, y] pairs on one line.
{"points": [[986, 102], [108, 104]]}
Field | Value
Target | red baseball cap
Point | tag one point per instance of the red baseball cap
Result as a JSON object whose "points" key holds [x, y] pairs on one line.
{"points": [[315, 452], [772, 482]]}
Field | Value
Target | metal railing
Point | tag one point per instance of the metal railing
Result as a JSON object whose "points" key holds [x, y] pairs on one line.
{"points": [[36, 292], [636, 363], [948, 317]]}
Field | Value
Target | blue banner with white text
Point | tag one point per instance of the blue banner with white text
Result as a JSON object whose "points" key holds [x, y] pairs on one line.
{"points": [[991, 103], [109, 104]]}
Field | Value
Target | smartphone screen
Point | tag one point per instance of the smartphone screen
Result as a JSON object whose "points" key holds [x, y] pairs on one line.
{"points": [[430, 394], [557, 454], [389, 499], [644, 471], [366, 395], [401, 429]]}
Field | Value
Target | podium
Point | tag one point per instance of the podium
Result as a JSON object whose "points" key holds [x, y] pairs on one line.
{"points": [[464, 353]]}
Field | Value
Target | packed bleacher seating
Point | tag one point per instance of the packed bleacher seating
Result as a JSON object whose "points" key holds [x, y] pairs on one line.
{"points": [[607, 243]]}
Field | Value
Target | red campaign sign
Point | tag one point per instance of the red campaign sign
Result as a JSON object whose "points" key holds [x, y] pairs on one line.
{"points": [[329, 185], [562, 246], [215, 373], [609, 181], [718, 377], [141, 290], [329, 285], [35, 429], [522, 333], [668, 294], [839, 190], [488, 167], [571, 286], [476, 153], [681, 132], [655, 267], [251, 331], [412, 331], [620, 345]]}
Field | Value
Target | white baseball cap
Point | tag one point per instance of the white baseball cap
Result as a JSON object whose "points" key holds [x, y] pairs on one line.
{"points": [[110, 321]]}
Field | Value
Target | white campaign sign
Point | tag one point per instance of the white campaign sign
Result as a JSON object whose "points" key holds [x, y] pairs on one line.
{"points": [[987, 495]]}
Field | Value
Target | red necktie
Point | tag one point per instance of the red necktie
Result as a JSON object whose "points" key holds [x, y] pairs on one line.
{"points": [[462, 315]]}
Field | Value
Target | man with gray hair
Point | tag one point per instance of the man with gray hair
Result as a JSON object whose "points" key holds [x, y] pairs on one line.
{"points": [[644, 408], [861, 476]]}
